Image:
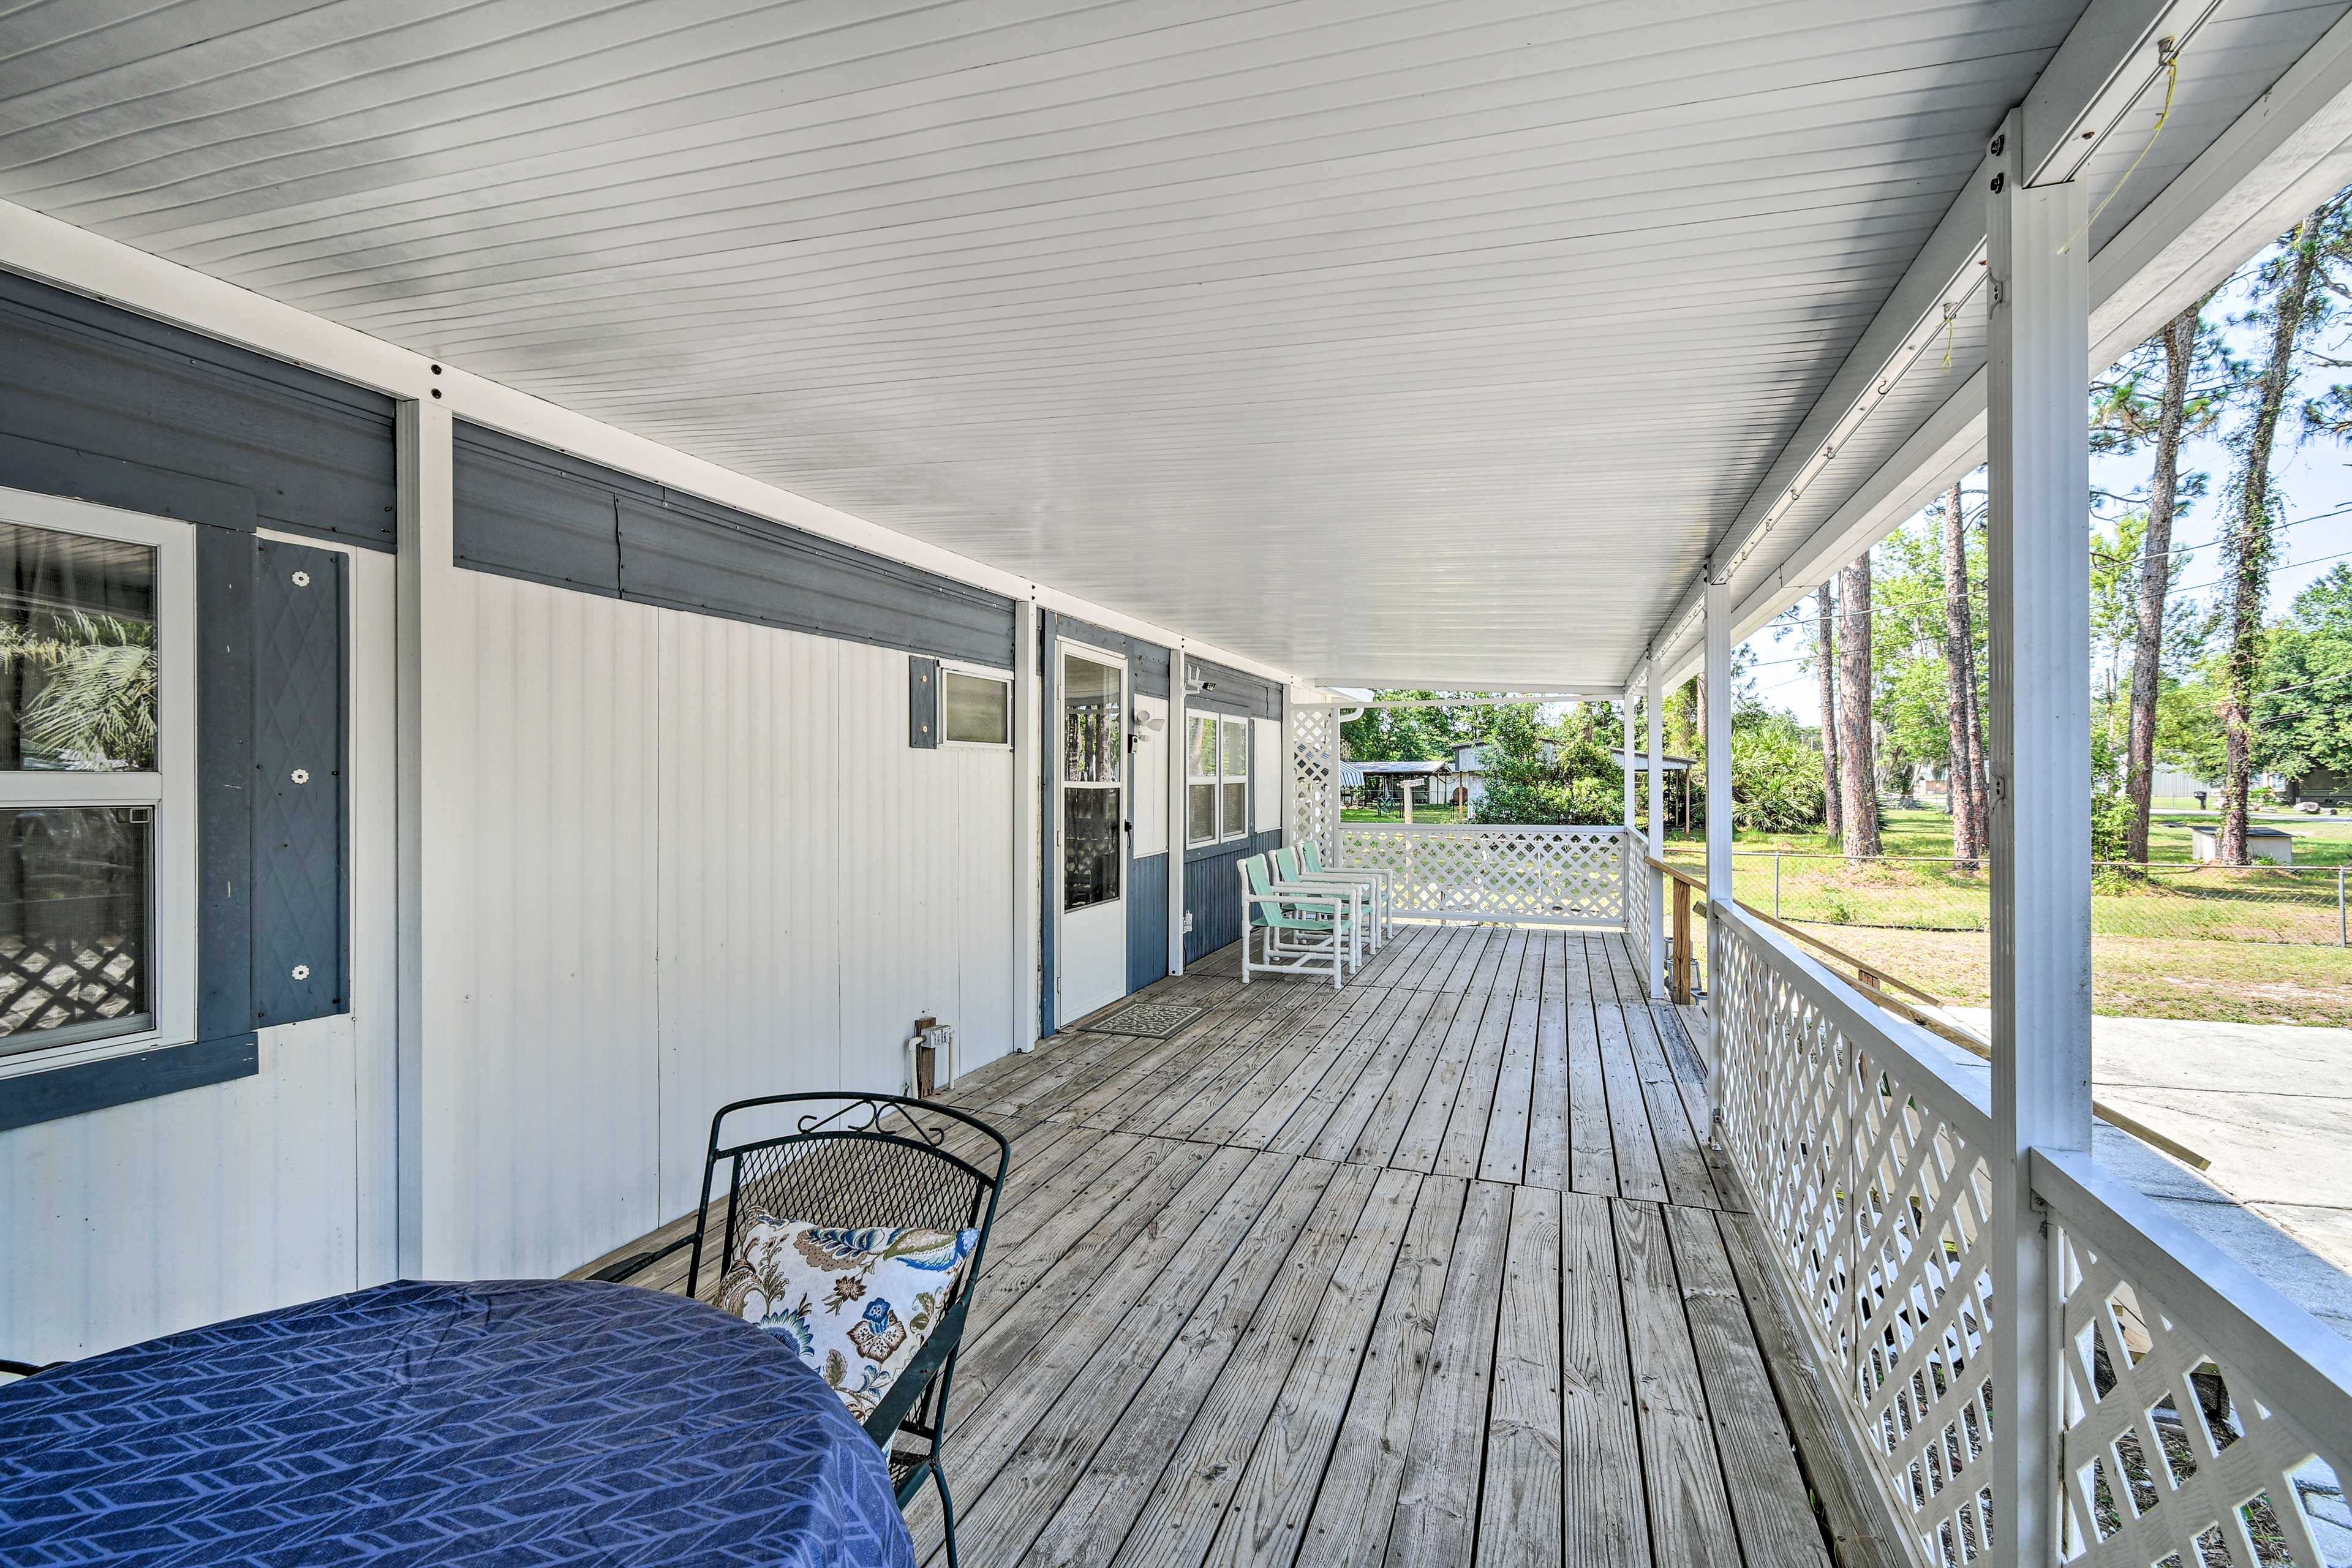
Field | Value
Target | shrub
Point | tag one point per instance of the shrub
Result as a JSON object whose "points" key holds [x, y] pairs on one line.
{"points": [[1776, 779]]}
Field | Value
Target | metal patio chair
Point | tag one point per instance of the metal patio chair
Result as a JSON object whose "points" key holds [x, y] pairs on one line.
{"points": [[870, 1161]]}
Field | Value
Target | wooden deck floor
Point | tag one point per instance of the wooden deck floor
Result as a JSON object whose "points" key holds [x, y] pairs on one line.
{"points": [[1432, 1269]]}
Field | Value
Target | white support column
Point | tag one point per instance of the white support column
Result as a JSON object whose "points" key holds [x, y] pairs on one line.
{"points": [[1179, 826], [1625, 754], [1719, 740], [1028, 813], [2038, 594], [1719, 796], [432, 657], [1656, 704]]}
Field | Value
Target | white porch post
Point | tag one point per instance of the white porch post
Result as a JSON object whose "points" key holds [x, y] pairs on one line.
{"points": [[1028, 791], [2039, 595], [1718, 794], [433, 653], [1625, 753], [1655, 703], [1629, 863]]}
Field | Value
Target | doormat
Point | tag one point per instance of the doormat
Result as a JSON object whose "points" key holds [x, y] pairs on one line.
{"points": [[1153, 1020]]}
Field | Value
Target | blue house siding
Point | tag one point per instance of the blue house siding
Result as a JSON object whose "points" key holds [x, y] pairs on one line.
{"points": [[1147, 920]]}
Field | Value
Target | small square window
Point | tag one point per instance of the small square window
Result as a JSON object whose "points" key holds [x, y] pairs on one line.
{"points": [[977, 709]]}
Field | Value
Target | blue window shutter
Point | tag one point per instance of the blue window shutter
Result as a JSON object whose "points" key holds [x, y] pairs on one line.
{"points": [[299, 788], [225, 564], [922, 702]]}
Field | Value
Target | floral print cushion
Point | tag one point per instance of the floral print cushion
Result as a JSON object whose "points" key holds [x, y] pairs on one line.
{"points": [[856, 1304]]}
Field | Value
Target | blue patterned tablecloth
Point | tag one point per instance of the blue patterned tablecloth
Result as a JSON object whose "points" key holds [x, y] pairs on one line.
{"points": [[532, 1421]]}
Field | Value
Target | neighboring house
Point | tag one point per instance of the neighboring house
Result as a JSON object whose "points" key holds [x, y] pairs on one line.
{"points": [[1470, 769], [2325, 786], [1470, 765], [1386, 781]]}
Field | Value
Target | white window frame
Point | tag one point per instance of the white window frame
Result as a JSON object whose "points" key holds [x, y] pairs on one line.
{"points": [[1227, 778], [1214, 781], [975, 672], [171, 791]]}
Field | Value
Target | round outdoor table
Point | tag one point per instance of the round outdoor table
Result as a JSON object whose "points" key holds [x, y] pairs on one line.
{"points": [[535, 1422]]}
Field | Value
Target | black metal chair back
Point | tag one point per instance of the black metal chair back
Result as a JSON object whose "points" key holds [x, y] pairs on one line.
{"points": [[870, 1160]]}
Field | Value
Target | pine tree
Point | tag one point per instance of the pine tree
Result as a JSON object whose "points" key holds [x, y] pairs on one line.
{"points": [[2194, 377], [2249, 545], [1858, 770], [1970, 823], [1834, 818]]}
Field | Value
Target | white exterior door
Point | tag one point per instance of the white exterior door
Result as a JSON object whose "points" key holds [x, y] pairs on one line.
{"points": [[1090, 832]]}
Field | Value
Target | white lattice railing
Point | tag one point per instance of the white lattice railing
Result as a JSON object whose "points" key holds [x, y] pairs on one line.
{"points": [[2199, 1410], [1560, 876], [1863, 1146], [1636, 876], [1862, 1155]]}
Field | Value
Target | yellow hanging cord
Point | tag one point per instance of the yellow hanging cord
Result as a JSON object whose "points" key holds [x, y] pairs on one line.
{"points": [[2171, 85], [1951, 330]]}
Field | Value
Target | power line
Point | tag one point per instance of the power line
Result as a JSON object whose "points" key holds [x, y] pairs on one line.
{"points": [[1909, 612], [1975, 590]]}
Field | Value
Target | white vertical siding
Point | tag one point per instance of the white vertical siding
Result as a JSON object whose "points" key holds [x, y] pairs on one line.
{"points": [[704, 864], [539, 1120], [749, 948], [1146, 796], [155, 1217]]}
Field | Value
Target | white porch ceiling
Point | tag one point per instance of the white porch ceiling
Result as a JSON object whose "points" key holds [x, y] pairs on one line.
{"points": [[1377, 341]]}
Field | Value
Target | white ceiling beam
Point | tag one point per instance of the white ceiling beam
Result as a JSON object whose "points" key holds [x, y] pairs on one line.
{"points": [[2112, 55]]}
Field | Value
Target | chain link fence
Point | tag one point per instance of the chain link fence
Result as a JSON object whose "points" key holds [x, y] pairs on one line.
{"points": [[2293, 904]]}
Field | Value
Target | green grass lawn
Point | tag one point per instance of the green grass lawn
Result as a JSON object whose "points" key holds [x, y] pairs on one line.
{"points": [[1421, 814], [2318, 840]]}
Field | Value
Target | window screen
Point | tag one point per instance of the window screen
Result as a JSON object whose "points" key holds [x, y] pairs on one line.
{"points": [[1233, 770], [1201, 779], [979, 711]]}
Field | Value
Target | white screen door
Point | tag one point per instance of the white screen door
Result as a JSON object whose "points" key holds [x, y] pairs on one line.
{"points": [[1091, 834]]}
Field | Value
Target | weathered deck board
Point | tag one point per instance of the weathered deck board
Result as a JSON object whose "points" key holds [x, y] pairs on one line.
{"points": [[1524, 1489], [1429, 1269]]}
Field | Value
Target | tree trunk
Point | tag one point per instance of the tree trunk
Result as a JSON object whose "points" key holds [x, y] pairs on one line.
{"points": [[2249, 543], [1979, 791], [1857, 766], [2156, 577], [1833, 820], [1959, 645]]}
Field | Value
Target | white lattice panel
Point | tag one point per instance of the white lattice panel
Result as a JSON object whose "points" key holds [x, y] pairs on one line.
{"points": [[1867, 1177], [1565, 874], [1315, 777], [1637, 894], [2174, 1453]]}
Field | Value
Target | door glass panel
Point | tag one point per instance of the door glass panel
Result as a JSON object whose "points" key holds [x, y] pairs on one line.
{"points": [[74, 939], [77, 653], [1090, 847], [1093, 727]]}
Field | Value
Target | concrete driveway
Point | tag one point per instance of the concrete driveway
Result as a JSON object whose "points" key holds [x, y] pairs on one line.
{"points": [[2271, 1106]]}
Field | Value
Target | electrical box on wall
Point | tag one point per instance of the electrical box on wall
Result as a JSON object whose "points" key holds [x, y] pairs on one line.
{"points": [[930, 1058], [1188, 922]]}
